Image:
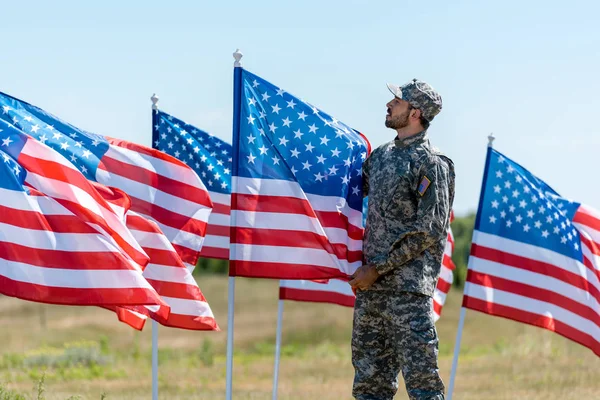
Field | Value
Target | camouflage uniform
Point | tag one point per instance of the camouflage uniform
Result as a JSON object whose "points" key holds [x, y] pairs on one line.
{"points": [[411, 190]]}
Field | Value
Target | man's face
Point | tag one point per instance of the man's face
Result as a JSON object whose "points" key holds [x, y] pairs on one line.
{"points": [[397, 113]]}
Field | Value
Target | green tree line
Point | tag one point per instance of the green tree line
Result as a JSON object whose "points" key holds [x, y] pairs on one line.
{"points": [[462, 229]]}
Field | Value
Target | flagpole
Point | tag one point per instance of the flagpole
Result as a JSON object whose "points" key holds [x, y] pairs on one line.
{"points": [[277, 348], [463, 310], [237, 69], [154, 99]]}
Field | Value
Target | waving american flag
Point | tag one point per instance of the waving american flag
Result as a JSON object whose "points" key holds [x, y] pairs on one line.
{"points": [[535, 256], [60, 241], [161, 187], [296, 203]]}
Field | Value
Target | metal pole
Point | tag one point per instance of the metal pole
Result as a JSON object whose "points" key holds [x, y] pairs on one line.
{"points": [[277, 348], [461, 323], [230, 309], [154, 360]]}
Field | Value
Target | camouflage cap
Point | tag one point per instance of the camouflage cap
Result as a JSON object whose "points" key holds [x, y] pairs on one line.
{"points": [[419, 95]]}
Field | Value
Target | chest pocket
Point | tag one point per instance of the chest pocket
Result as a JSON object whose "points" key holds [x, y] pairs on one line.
{"points": [[395, 184]]}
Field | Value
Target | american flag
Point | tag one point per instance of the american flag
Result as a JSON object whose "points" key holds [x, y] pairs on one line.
{"points": [[161, 187], [296, 206], [535, 255], [60, 242], [211, 158]]}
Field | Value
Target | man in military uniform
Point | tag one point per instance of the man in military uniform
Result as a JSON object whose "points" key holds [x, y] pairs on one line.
{"points": [[411, 190]]}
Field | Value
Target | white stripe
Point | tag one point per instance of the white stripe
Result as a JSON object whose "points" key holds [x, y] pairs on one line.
{"points": [[181, 238], [49, 240], [36, 149], [168, 169], [541, 308], [446, 274], [292, 256], [73, 278], [152, 240], [541, 281], [24, 202], [333, 286], [219, 219], [220, 242], [592, 234], [169, 274], [439, 297], [220, 198], [152, 195], [293, 222], [535, 253], [193, 308]]}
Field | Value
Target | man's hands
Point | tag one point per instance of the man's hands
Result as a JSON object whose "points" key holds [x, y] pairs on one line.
{"points": [[364, 277]]}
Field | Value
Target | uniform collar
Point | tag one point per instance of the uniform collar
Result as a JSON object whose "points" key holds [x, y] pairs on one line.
{"points": [[418, 138]]}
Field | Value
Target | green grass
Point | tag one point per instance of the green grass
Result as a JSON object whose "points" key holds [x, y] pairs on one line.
{"points": [[84, 352]]}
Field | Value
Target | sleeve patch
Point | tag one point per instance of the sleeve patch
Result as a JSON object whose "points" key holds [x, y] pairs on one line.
{"points": [[424, 185]]}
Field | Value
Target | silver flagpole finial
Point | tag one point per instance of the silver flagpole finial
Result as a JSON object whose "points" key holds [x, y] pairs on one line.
{"points": [[154, 99], [238, 57], [491, 139]]}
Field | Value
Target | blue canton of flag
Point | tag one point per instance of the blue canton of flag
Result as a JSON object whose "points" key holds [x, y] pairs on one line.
{"points": [[283, 137], [83, 149], [206, 154], [519, 206]]}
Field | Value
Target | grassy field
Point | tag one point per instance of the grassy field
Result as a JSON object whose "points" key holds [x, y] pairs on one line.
{"points": [[85, 353]]}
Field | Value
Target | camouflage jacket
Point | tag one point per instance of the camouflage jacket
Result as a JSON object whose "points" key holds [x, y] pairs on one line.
{"points": [[411, 190]]}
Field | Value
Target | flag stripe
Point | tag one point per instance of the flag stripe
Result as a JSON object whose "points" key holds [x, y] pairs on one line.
{"points": [[522, 309]]}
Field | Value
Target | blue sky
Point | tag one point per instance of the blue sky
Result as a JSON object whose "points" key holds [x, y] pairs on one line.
{"points": [[527, 71]]}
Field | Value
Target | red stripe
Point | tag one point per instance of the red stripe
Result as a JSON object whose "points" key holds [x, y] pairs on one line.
{"points": [[581, 217], [535, 293], [80, 260], [533, 319], [443, 286], [147, 177], [139, 223], [330, 219], [448, 263], [129, 318], [271, 270], [164, 257], [168, 217], [437, 308], [538, 267], [217, 230], [316, 296], [187, 255], [188, 322], [214, 252], [299, 239], [146, 150], [219, 208], [40, 222], [76, 296], [177, 290], [273, 204]]}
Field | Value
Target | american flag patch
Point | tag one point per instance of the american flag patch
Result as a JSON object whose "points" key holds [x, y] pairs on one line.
{"points": [[425, 182]]}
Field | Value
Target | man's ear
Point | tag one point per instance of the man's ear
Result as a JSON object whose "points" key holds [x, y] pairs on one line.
{"points": [[416, 113]]}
